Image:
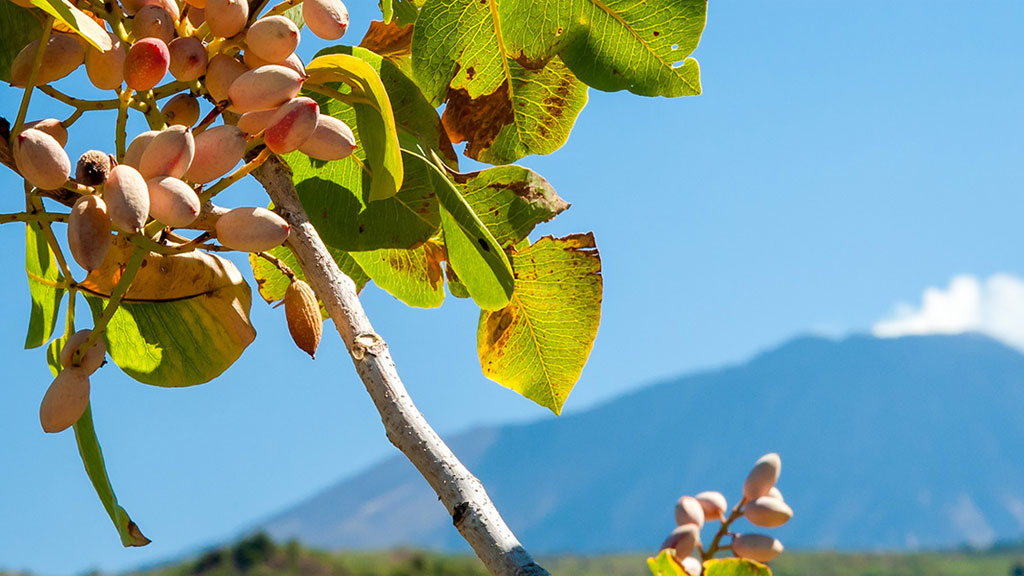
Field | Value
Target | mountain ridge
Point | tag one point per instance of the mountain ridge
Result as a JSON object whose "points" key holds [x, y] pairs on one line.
{"points": [[886, 444]]}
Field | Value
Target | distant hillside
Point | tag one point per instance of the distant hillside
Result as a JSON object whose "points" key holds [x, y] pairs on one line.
{"points": [[886, 444], [257, 555]]}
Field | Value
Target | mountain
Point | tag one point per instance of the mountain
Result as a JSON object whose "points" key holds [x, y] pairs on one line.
{"points": [[904, 443]]}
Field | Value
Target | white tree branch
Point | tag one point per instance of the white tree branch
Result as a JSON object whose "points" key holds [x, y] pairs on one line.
{"points": [[462, 494]]}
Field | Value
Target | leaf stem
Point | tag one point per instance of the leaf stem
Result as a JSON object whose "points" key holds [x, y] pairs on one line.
{"points": [[33, 75], [33, 217], [116, 296], [278, 263], [235, 176], [79, 103], [120, 132]]}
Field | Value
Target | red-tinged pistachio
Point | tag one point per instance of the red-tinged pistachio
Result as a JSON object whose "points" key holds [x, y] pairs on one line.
{"points": [[218, 150], [93, 357], [327, 19], [41, 159], [127, 197], [714, 505], [65, 401], [689, 511], [146, 64], [169, 154], [106, 68], [767, 512], [293, 124], [153, 21], [264, 88], [138, 145], [92, 168], [332, 140], [762, 477], [683, 539], [302, 311], [63, 54], [226, 18], [251, 229], [221, 73], [172, 201], [53, 127], [188, 58], [181, 110], [89, 232], [756, 547], [272, 38]]}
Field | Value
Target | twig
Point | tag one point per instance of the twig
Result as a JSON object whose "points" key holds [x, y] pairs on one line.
{"points": [[722, 531], [472, 511], [235, 176], [116, 296], [278, 263], [33, 75]]}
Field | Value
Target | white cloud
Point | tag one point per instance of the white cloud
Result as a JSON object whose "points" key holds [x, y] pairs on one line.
{"points": [[993, 306]]}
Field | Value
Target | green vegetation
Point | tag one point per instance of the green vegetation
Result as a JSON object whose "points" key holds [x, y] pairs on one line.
{"points": [[258, 555]]}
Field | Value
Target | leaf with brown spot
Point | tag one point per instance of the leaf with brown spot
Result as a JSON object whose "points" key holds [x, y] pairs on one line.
{"points": [[391, 41], [184, 320], [413, 276], [510, 201], [505, 111], [539, 343]]}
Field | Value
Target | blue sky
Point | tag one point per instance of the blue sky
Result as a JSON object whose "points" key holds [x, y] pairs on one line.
{"points": [[843, 158]]}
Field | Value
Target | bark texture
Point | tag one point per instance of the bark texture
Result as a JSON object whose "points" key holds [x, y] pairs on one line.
{"points": [[462, 494]]}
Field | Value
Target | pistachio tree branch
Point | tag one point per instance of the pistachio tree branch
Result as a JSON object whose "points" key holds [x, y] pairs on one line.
{"points": [[472, 511]]}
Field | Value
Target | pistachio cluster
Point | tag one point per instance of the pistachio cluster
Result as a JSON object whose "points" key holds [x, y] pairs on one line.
{"points": [[762, 505], [247, 69]]}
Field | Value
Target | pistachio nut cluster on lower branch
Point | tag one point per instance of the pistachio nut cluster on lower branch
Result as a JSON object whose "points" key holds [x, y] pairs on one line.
{"points": [[762, 505]]}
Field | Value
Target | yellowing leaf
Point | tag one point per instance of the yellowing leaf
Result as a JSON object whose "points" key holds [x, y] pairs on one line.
{"points": [[665, 565], [184, 320], [539, 343], [44, 279], [735, 567], [377, 127], [413, 276], [78, 21]]}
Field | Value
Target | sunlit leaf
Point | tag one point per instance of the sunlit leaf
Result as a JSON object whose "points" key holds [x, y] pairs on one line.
{"points": [[78, 21], [184, 320], [295, 15], [407, 11], [503, 108], [20, 28], [510, 200], [413, 276], [96, 468], [472, 251], [387, 9], [44, 279], [377, 121], [665, 565], [735, 567], [612, 45], [539, 343], [345, 222]]}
